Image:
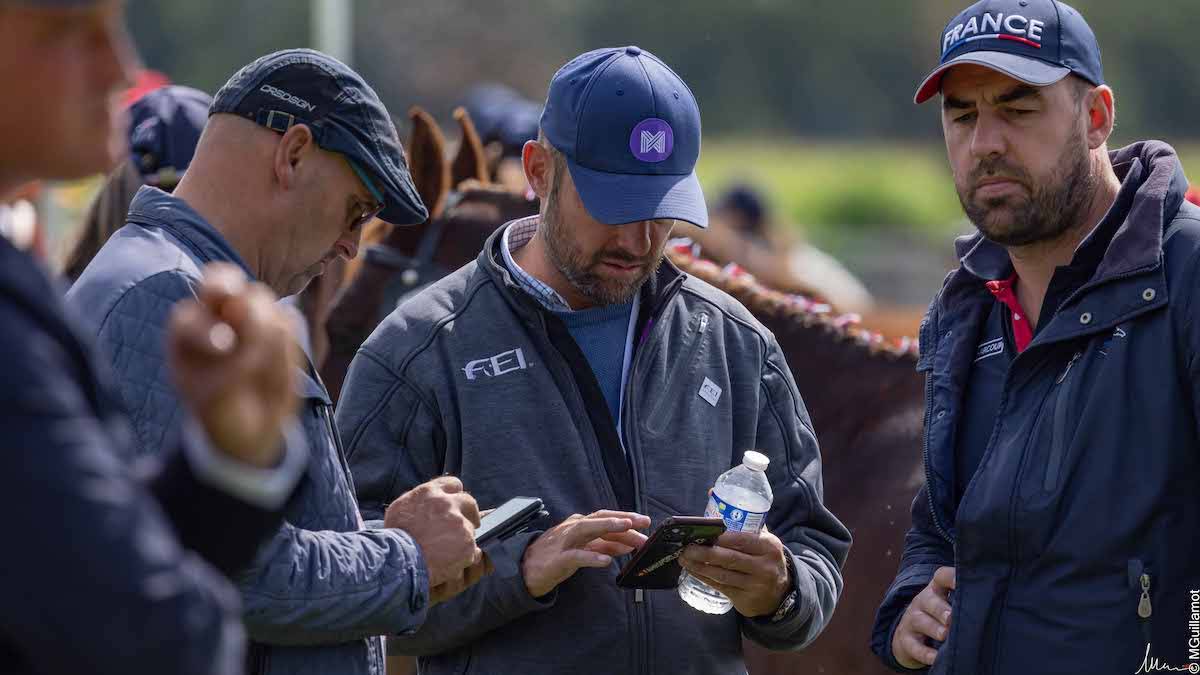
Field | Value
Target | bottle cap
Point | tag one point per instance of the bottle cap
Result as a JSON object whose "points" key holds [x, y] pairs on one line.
{"points": [[756, 460]]}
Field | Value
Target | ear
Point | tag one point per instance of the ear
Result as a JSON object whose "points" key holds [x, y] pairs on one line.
{"points": [[427, 161], [294, 148], [470, 163], [1101, 115], [539, 168]]}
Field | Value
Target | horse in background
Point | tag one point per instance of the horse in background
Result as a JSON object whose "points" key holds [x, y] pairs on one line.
{"points": [[464, 207], [867, 405], [863, 394]]}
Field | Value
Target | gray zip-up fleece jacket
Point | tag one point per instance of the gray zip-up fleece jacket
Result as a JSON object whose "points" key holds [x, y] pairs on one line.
{"points": [[473, 378], [323, 588]]}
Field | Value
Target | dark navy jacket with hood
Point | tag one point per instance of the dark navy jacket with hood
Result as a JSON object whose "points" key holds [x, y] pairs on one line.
{"points": [[1077, 539]]}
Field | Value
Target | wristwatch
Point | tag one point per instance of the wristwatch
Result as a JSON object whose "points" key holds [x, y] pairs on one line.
{"points": [[789, 600], [785, 607]]}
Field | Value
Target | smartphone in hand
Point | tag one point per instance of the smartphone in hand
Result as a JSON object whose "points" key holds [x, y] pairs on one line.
{"points": [[655, 565], [511, 517]]}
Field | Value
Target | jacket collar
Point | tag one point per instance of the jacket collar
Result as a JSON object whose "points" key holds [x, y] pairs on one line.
{"points": [[152, 207], [1127, 240]]}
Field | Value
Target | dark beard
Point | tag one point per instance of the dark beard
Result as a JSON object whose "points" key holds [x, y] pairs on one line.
{"points": [[1053, 208], [578, 270]]}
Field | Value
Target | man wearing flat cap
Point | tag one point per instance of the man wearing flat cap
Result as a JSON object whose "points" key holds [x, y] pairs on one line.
{"points": [[297, 155], [1057, 530], [571, 362]]}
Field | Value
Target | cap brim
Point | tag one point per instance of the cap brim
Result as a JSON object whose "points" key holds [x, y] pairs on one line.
{"points": [[619, 198], [1024, 68], [402, 204]]}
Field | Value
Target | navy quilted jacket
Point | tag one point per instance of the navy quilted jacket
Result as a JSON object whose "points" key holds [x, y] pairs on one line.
{"points": [[323, 589]]}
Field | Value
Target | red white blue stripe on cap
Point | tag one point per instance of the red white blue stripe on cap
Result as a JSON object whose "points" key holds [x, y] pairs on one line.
{"points": [[994, 36]]}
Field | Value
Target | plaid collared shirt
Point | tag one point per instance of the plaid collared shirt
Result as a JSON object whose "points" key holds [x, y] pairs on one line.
{"points": [[515, 236]]}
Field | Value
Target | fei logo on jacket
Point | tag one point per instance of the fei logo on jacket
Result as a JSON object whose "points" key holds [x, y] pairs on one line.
{"points": [[995, 25], [495, 366]]}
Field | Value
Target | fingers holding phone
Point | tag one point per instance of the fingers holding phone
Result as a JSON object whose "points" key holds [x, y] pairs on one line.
{"points": [[578, 542], [442, 518]]}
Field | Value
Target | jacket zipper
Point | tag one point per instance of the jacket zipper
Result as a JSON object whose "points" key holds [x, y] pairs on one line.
{"points": [[697, 341], [1058, 442], [937, 522], [629, 418], [1145, 608], [337, 444]]}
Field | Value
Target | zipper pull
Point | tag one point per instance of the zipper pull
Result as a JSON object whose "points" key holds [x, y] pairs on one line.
{"points": [[1144, 608], [703, 323], [1068, 368], [637, 595]]}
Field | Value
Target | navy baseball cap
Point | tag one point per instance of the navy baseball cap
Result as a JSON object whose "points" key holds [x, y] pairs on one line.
{"points": [[164, 128], [630, 131], [304, 86], [1038, 42]]}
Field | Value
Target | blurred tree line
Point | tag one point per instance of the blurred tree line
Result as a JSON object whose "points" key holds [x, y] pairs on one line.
{"points": [[842, 69]]}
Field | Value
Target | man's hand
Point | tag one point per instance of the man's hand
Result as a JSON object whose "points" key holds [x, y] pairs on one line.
{"points": [[442, 519], [927, 616], [580, 541], [233, 357], [750, 569]]}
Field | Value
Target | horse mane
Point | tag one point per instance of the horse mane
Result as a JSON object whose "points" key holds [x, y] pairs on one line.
{"points": [[772, 306]]}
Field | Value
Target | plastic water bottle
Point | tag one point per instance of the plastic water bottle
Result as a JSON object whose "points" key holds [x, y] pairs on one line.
{"points": [[742, 497]]}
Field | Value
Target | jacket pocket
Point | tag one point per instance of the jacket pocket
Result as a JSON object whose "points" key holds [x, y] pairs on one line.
{"points": [[681, 370], [1141, 581], [1064, 397]]}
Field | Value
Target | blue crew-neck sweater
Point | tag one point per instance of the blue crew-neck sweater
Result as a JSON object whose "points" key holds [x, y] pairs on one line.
{"points": [[601, 333]]}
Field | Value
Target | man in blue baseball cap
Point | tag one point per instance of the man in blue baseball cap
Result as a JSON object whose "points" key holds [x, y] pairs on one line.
{"points": [[571, 362], [297, 155], [1056, 530]]}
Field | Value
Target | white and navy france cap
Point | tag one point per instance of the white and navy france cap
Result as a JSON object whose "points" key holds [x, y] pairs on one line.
{"points": [[1038, 42], [629, 129]]}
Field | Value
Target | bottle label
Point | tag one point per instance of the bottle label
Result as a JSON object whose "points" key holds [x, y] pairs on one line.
{"points": [[736, 520]]}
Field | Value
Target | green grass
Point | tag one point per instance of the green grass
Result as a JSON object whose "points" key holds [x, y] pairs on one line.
{"points": [[838, 192]]}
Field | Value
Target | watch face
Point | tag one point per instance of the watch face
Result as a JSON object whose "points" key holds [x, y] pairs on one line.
{"points": [[785, 607]]}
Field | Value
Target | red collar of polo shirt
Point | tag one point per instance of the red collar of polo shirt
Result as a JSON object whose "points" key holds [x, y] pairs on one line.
{"points": [[1004, 292]]}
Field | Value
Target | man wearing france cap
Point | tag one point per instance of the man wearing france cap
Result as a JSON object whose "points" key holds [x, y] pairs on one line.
{"points": [[1057, 528], [571, 362], [297, 155]]}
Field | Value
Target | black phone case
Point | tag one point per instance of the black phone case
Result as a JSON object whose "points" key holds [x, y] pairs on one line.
{"points": [[516, 523], [655, 565]]}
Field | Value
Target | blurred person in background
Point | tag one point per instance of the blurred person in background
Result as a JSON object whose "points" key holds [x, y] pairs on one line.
{"points": [[19, 221], [297, 154], [115, 566], [1057, 529], [505, 120], [164, 126], [744, 209]]}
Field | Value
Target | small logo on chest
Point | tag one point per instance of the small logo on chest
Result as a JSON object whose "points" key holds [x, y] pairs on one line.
{"points": [[990, 348], [495, 366], [709, 391]]}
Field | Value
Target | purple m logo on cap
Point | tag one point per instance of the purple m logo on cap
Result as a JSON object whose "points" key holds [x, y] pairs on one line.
{"points": [[652, 140]]}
